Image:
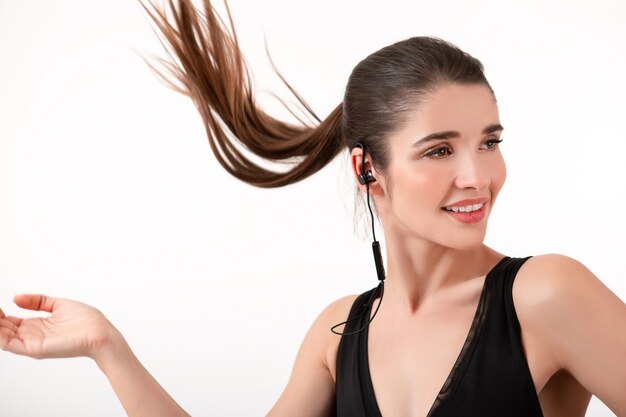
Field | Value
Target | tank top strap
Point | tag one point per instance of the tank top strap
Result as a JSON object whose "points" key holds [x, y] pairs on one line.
{"points": [[353, 393], [505, 287]]}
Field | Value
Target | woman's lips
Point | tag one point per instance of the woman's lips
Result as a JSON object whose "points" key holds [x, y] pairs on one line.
{"points": [[468, 217]]}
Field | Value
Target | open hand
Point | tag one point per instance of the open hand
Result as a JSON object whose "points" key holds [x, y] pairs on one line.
{"points": [[72, 329]]}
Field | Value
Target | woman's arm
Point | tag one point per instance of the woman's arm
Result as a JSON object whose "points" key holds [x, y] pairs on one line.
{"points": [[582, 322], [76, 329], [140, 394]]}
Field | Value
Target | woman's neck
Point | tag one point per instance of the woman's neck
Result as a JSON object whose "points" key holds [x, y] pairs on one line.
{"points": [[417, 270]]}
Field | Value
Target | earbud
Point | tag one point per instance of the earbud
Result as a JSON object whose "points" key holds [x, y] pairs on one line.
{"points": [[368, 176]]}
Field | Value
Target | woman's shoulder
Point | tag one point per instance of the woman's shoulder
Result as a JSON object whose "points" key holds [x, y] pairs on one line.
{"points": [[321, 339], [544, 276], [334, 313], [544, 281]]}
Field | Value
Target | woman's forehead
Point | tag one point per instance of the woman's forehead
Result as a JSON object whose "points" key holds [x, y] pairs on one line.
{"points": [[465, 108]]}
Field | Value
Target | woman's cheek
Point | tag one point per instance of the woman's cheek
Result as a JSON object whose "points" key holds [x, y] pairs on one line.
{"points": [[499, 177]]}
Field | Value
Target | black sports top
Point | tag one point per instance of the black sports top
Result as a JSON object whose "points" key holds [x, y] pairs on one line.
{"points": [[490, 377]]}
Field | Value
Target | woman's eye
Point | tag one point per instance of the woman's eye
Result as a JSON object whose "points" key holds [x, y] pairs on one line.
{"points": [[492, 143], [439, 152]]}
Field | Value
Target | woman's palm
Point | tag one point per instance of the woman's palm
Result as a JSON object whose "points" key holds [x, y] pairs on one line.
{"points": [[73, 329]]}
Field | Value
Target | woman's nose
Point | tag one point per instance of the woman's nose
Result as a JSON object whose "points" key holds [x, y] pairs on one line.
{"points": [[472, 172]]}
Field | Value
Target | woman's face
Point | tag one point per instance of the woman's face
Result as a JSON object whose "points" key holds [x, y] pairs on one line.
{"points": [[446, 169]]}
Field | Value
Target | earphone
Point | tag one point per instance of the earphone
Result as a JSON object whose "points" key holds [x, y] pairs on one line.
{"points": [[366, 179]]}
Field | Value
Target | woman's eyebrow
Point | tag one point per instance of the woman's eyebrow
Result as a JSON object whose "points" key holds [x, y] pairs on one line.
{"points": [[452, 134], [496, 127]]}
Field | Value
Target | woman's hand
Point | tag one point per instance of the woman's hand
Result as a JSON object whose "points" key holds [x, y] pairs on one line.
{"points": [[72, 329], [76, 329]]}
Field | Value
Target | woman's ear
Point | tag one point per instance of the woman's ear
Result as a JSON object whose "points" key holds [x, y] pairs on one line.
{"points": [[373, 177]]}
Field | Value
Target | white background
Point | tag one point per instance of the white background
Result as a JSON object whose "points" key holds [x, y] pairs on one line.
{"points": [[109, 192]]}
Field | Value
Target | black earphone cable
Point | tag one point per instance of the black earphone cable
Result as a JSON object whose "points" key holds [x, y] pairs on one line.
{"points": [[379, 290], [367, 187]]}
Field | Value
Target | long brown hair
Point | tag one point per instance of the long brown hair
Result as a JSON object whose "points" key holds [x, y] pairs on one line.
{"points": [[208, 66]]}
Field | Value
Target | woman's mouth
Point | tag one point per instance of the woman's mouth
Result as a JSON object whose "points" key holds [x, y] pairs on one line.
{"points": [[472, 213]]}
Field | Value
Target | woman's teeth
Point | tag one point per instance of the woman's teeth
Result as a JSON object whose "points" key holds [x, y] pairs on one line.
{"points": [[464, 209]]}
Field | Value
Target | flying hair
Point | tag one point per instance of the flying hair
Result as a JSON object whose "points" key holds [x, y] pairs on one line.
{"points": [[206, 64]]}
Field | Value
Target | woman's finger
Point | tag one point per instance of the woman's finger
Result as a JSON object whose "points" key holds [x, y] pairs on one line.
{"points": [[11, 343], [6, 335], [8, 324], [15, 320], [2, 315], [35, 302]]}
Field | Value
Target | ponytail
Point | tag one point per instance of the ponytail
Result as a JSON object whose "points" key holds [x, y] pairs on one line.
{"points": [[210, 69]]}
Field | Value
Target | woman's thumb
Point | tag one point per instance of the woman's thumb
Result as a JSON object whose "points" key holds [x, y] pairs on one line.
{"points": [[35, 302]]}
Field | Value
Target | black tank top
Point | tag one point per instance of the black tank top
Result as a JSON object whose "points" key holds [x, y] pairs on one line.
{"points": [[490, 377]]}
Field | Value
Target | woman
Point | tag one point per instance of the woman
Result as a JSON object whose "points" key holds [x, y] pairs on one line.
{"points": [[420, 116]]}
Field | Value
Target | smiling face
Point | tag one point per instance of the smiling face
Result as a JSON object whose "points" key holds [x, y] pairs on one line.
{"points": [[446, 155]]}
